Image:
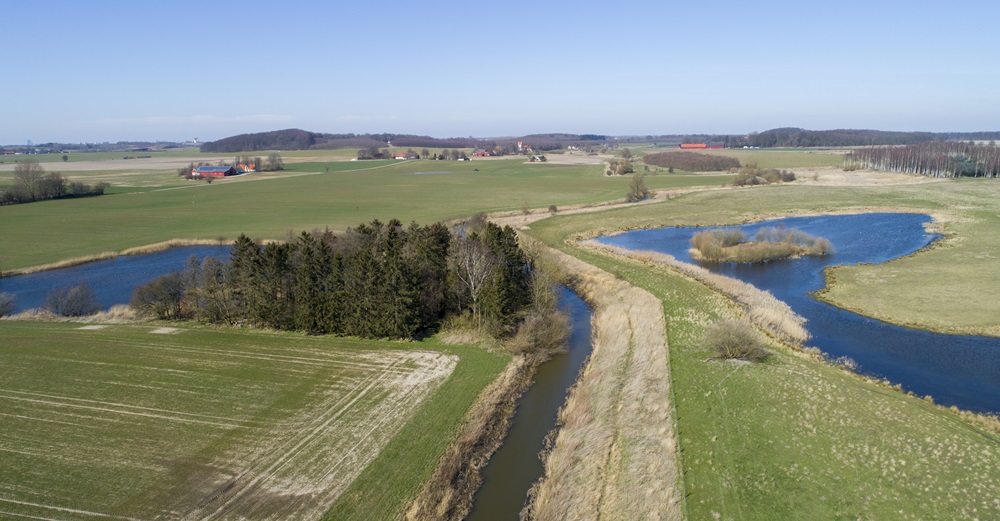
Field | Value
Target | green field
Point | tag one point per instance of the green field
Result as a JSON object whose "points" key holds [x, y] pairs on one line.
{"points": [[303, 197], [122, 421], [795, 438]]}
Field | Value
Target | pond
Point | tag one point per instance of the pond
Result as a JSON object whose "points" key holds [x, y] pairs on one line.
{"points": [[956, 370], [113, 280]]}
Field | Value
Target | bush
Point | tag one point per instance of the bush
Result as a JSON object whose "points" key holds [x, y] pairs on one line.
{"points": [[637, 189], [161, 297], [6, 304], [735, 339], [72, 301], [750, 175]]}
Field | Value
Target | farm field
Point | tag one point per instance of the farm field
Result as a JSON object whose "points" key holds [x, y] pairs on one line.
{"points": [[794, 437], [119, 421], [304, 196]]}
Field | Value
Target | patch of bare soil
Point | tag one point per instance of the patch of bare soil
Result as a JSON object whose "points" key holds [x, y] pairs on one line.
{"points": [[834, 176]]}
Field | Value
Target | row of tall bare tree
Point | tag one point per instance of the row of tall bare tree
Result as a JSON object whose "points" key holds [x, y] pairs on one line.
{"points": [[939, 159]]}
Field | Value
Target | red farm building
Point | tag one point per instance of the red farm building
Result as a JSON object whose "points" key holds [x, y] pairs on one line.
{"points": [[213, 171]]}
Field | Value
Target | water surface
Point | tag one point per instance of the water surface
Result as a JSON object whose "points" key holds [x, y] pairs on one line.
{"points": [[955, 370], [515, 466], [113, 280]]}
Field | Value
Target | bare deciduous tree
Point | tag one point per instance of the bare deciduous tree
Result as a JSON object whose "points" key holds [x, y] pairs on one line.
{"points": [[473, 263], [28, 175]]}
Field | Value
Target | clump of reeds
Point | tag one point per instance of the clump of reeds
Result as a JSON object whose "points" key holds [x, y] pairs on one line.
{"points": [[771, 243]]}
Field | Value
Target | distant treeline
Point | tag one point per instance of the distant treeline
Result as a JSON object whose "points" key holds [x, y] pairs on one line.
{"points": [[948, 159], [797, 137], [691, 161], [32, 183], [376, 281], [296, 139]]}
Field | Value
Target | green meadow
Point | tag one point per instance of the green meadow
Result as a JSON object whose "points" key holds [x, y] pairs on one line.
{"points": [[793, 437], [304, 196]]}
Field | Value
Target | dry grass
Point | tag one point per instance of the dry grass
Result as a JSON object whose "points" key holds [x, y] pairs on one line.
{"points": [[117, 314], [762, 308], [614, 454]]}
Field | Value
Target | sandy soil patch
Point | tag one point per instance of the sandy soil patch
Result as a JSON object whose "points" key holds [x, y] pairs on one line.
{"points": [[834, 176], [165, 331], [92, 327]]}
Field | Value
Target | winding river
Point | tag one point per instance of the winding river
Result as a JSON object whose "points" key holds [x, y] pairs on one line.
{"points": [[955, 370]]}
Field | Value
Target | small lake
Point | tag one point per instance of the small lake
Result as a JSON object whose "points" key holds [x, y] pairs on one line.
{"points": [[113, 280], [515, 466], [955, 370]]}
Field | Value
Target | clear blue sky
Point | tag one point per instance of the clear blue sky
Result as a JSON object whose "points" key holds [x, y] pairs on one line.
{"points": [[113, 70]]}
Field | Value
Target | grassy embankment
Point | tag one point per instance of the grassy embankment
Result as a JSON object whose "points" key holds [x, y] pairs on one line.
{"points": [[793, 437], [122, 422], [303, 197]]}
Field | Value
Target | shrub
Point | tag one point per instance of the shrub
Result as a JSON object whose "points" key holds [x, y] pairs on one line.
{"points": [[750, 175], [735, 339], [161, 297], [72, 301], [637, 189], [6, 304]]}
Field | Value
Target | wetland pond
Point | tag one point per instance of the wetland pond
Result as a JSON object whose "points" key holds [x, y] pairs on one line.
{"points": [[113, 280], [955, 370]]}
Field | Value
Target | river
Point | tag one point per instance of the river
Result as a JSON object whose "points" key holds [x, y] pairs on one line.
{"points": [[516, 466]]}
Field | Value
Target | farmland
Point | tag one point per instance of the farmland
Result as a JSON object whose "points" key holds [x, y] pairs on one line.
{"points": [[304, 196], [142, 421]]}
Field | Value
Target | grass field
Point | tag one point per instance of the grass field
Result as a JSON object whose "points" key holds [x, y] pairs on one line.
{"points": [[794, 438], [303, 197], [203, 423]]}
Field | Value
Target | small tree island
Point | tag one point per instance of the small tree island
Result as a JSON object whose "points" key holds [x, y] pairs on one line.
{"points": [[768, 244]]}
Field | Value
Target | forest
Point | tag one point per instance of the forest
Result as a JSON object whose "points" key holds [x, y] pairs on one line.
{"points": [[945, 159], [378, 280]]}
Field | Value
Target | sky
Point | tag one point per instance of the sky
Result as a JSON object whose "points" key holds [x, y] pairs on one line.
{"points": [[128, 71]]}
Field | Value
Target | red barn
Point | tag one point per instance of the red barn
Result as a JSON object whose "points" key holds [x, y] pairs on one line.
{"points": [[213, 171]]}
